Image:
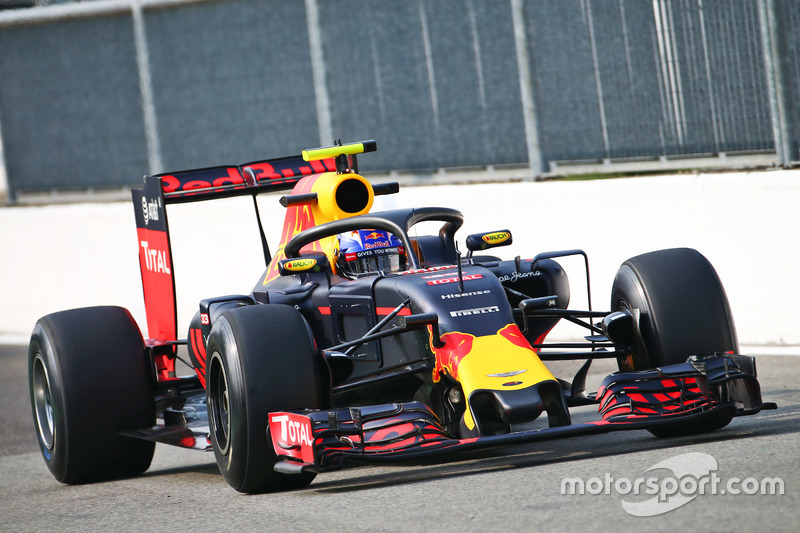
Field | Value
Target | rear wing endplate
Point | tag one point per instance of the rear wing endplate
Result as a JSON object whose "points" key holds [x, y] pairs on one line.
{"points": [[155, 252]]}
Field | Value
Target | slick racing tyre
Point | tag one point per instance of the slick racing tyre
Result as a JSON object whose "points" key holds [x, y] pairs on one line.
{"points": [[682, 306], [90, 380], [683, 311], [261, 360]]}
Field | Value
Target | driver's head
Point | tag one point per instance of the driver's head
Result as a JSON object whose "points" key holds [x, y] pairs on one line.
{"points": [[363, 251]]}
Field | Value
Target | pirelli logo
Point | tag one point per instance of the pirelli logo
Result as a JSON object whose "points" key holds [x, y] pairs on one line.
{"points": [[476, 311]]}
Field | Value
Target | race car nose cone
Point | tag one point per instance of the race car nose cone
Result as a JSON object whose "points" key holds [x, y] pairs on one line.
{"points": [[510, 406], [495, 410]]}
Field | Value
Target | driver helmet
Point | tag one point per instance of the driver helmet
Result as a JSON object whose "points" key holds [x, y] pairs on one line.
{"points": [[364, 251]]}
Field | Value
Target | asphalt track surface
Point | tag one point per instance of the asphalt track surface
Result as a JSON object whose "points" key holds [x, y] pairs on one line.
{"points": [[508, 489]]}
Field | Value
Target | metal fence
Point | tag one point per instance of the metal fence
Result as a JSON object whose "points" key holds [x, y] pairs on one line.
{"points": [[96, 94]]}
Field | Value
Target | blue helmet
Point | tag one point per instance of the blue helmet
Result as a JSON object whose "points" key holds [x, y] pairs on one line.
{"points": [[363, 251]]}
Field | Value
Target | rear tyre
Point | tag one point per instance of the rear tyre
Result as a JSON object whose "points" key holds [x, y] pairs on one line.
{"points": [[261, 360], [683, 312], [90, 380]]}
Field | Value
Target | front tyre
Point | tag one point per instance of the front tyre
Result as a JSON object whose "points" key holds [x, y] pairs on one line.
{"points": [[683, 311], [89, 381], [682, 306], [261, 360]]}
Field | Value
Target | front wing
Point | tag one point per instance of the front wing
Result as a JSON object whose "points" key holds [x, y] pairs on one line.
{"points": [[702, 393]]}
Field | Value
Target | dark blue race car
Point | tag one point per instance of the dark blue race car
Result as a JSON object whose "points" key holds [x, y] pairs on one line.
{"points": [[365, 341]]}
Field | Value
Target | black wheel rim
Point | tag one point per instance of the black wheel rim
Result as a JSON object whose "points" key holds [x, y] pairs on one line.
{"points": [[219, 405], [43, 403]]}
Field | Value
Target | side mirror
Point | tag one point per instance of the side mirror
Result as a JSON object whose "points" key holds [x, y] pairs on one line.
{"points": [[483, 241]]}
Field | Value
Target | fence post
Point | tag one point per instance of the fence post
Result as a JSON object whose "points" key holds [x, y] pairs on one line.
{"points": [[526, 91], [146, 88], [5, 190], [776, 58], [324, 123]]}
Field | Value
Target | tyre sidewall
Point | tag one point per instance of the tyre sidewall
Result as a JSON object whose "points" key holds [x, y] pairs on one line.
{"points": [[54, 455], [101, 385], [269, 363], [683, 306], [232, 455]]}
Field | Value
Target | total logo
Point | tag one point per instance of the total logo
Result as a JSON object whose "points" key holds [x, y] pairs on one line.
{"points": [[155, 260], [150, 209], [293, 431], [454, 279]]}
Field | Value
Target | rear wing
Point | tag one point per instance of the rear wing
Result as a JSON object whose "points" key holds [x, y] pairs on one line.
{"points": [[239, 180], [155, 251]]}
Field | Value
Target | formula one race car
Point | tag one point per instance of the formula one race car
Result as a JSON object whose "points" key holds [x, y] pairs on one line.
{"points": [[366, 342]]}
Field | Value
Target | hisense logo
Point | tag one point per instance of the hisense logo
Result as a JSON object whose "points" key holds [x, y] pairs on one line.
{"points": [[464, 294]]}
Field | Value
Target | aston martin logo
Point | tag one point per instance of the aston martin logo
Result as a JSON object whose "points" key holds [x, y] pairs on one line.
{"points": [[506, 374]]}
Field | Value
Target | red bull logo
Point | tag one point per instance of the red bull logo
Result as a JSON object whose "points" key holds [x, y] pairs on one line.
{"points": [[513, 334], [374, 235], [378, 244], [456, 346], [297, 219], [487, 362]]}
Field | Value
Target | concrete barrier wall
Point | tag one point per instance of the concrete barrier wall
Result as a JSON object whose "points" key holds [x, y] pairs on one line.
{"points": [[66, 256]]}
